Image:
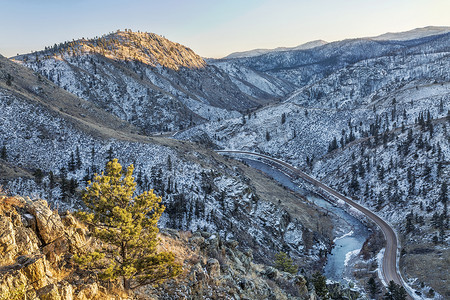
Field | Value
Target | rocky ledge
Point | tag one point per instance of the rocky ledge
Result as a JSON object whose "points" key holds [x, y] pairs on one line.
{"points": [[37, 245]]}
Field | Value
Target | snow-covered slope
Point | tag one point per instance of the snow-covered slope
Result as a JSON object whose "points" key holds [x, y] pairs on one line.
{"points": [[385, 105], [300, 68], [62, 141], [413, 34], [257, 52], [143, 79]]}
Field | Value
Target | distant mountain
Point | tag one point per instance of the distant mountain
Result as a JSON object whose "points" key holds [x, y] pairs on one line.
{"points": [[399, 36], [413, 34], [257, 52], [148, 48], [281, 73], [144, 79]]}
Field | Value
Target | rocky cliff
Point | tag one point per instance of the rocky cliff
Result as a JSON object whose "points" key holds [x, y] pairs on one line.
{"points": [[37, 245]]}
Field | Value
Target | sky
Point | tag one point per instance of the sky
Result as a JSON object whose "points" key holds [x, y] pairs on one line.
{"points": [[212, 28]]}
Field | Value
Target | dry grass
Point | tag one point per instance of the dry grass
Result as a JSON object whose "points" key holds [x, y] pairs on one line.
{"points": [[8, 171], [429, 266], [6, 203]]}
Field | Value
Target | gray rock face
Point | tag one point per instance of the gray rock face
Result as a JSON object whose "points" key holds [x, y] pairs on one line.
{"points": [[213, 267]]}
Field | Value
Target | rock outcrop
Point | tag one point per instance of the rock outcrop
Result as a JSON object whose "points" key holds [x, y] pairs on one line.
{"points": [[216, 269], [36, 246]]}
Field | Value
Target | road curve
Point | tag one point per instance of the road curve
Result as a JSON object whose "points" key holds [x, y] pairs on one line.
{"points": [[389, 264]]}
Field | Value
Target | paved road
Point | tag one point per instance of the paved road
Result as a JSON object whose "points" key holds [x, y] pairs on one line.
{"points": [[389, 264]]}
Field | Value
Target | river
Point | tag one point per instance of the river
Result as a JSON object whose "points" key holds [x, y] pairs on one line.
{"points": [[350, 237]]}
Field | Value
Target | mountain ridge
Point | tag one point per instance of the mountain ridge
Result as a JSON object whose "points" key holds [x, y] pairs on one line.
{"points": [[416, 33], [148, 48], [256, 52]]}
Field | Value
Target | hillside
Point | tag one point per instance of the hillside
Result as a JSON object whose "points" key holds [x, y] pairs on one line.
{"points": [[298, 69], [55, 143], [368, 117], [36, 262], [142, 78], [375, 91]]}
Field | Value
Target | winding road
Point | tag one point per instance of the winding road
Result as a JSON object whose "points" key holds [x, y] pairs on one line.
{"points": [[390, 262]]}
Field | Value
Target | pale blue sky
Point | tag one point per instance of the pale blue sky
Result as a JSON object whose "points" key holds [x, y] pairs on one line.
{"points": [[212, 28]]}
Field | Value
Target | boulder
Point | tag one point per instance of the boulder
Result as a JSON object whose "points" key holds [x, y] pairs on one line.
{"points": [[196, 274], [34, 270], [49, 223], [87, 291], [49, 292], [66, 291], [301, 284], [271, 273], [232, 244], [26, 241], [213, 267], [197, 240], [56, 250], [12, 282], [7, 238]]}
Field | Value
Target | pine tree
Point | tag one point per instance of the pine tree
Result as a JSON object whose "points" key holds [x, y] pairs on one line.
{"points": [[71, 164], [51, 179], [64, 184], [320, 285], [284, 263], [129, 226], [443, 196], [169, 163], [38, 175], [110, 153], [409, 222], [73, 184], [373, 286], [3, 153], [78, 163], [395, 292]]}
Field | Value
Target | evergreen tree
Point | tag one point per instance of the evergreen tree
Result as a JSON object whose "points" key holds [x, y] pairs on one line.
{"points": [[267, 136], [71, 165], [3, 153], [284, 263], [92, 156], [73, 184], [320, 285], [51, 179], [169, 163], [129, 226], [354, 184], [78, 163], [38, 175], [443, 196], [64, 184], [409, 222], [110, 154], [395, 292], [333, 145], [373, 286], [9, 79]]}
